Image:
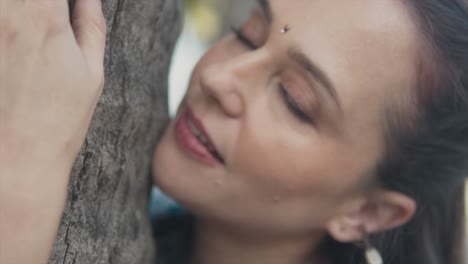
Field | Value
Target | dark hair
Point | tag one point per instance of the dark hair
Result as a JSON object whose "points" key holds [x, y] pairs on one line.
{"points": [[427, 152]]}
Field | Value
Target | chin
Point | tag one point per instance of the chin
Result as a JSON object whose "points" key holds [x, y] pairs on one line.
{"points": [[165, 164], [180, 178]]}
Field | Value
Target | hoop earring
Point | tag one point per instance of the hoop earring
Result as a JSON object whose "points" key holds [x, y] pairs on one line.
{"points": [[372, 254]]}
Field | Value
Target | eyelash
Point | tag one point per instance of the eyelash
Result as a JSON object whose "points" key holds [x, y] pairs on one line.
{"points": [[292, 105], [243, 39]]}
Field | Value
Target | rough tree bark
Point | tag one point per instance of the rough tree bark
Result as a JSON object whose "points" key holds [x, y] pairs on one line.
{"points": [[106, 219]]}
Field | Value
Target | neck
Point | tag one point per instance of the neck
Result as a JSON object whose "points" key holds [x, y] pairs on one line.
{"points": [[214, 244]]}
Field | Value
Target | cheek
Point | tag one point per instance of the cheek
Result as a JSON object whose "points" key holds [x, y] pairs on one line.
{"points": [[291, 166]]}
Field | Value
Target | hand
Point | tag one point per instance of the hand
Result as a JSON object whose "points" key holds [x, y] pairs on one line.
{"points": [[51, 77]]}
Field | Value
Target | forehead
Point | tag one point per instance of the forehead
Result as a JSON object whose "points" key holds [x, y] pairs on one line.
{"points": [[368, 16], [374, 36]]}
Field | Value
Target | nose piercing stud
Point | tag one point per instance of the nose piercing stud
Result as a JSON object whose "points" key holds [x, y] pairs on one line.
{"points": [[285, 29]]}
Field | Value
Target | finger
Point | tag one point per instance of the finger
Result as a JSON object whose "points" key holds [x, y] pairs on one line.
{"points": [[89, 27], [53, 11], [40, 16]]}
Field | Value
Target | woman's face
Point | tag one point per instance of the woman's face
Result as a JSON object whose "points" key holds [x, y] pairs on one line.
{"points": [[295, 108]]}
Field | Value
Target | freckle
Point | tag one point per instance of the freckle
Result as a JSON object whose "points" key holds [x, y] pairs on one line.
{"points": [[219, 182], [276, 199]]}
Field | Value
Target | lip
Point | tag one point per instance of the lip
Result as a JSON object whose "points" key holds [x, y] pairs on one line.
{"points": [[189, 142]]}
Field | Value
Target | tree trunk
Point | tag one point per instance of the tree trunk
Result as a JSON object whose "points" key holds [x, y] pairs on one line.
{"points": [[106, 215]]}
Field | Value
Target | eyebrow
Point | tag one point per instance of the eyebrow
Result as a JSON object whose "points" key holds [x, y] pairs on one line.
{"points": [[266, 8], [301, 59]]}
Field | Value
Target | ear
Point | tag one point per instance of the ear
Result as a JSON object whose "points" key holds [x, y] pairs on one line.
{"points": [[381, 211]]}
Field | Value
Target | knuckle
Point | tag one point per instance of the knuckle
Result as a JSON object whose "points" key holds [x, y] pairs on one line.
{"points": [[102, 83], [100, 24], [96, 26], [101, 80], [8, 30], [99, 77]]}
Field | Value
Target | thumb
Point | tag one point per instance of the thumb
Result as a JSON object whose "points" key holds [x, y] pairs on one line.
{"points": [[89, 27]]}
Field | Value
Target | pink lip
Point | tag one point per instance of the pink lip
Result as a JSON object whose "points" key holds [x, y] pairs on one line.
{"points": [[189, 142]]}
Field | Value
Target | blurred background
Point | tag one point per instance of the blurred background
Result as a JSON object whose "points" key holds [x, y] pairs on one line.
{"points": [[205, 22]]}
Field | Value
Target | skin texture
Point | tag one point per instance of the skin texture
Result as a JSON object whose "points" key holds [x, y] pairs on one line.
{"points": [[51, 76], [285, 182]]}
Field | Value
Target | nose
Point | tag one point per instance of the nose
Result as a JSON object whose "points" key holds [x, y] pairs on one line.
{"points": [[219, 86], [225, 83]]}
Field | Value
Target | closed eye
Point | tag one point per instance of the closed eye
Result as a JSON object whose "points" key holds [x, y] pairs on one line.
{"points": [[243, 39], [294, 107]]}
